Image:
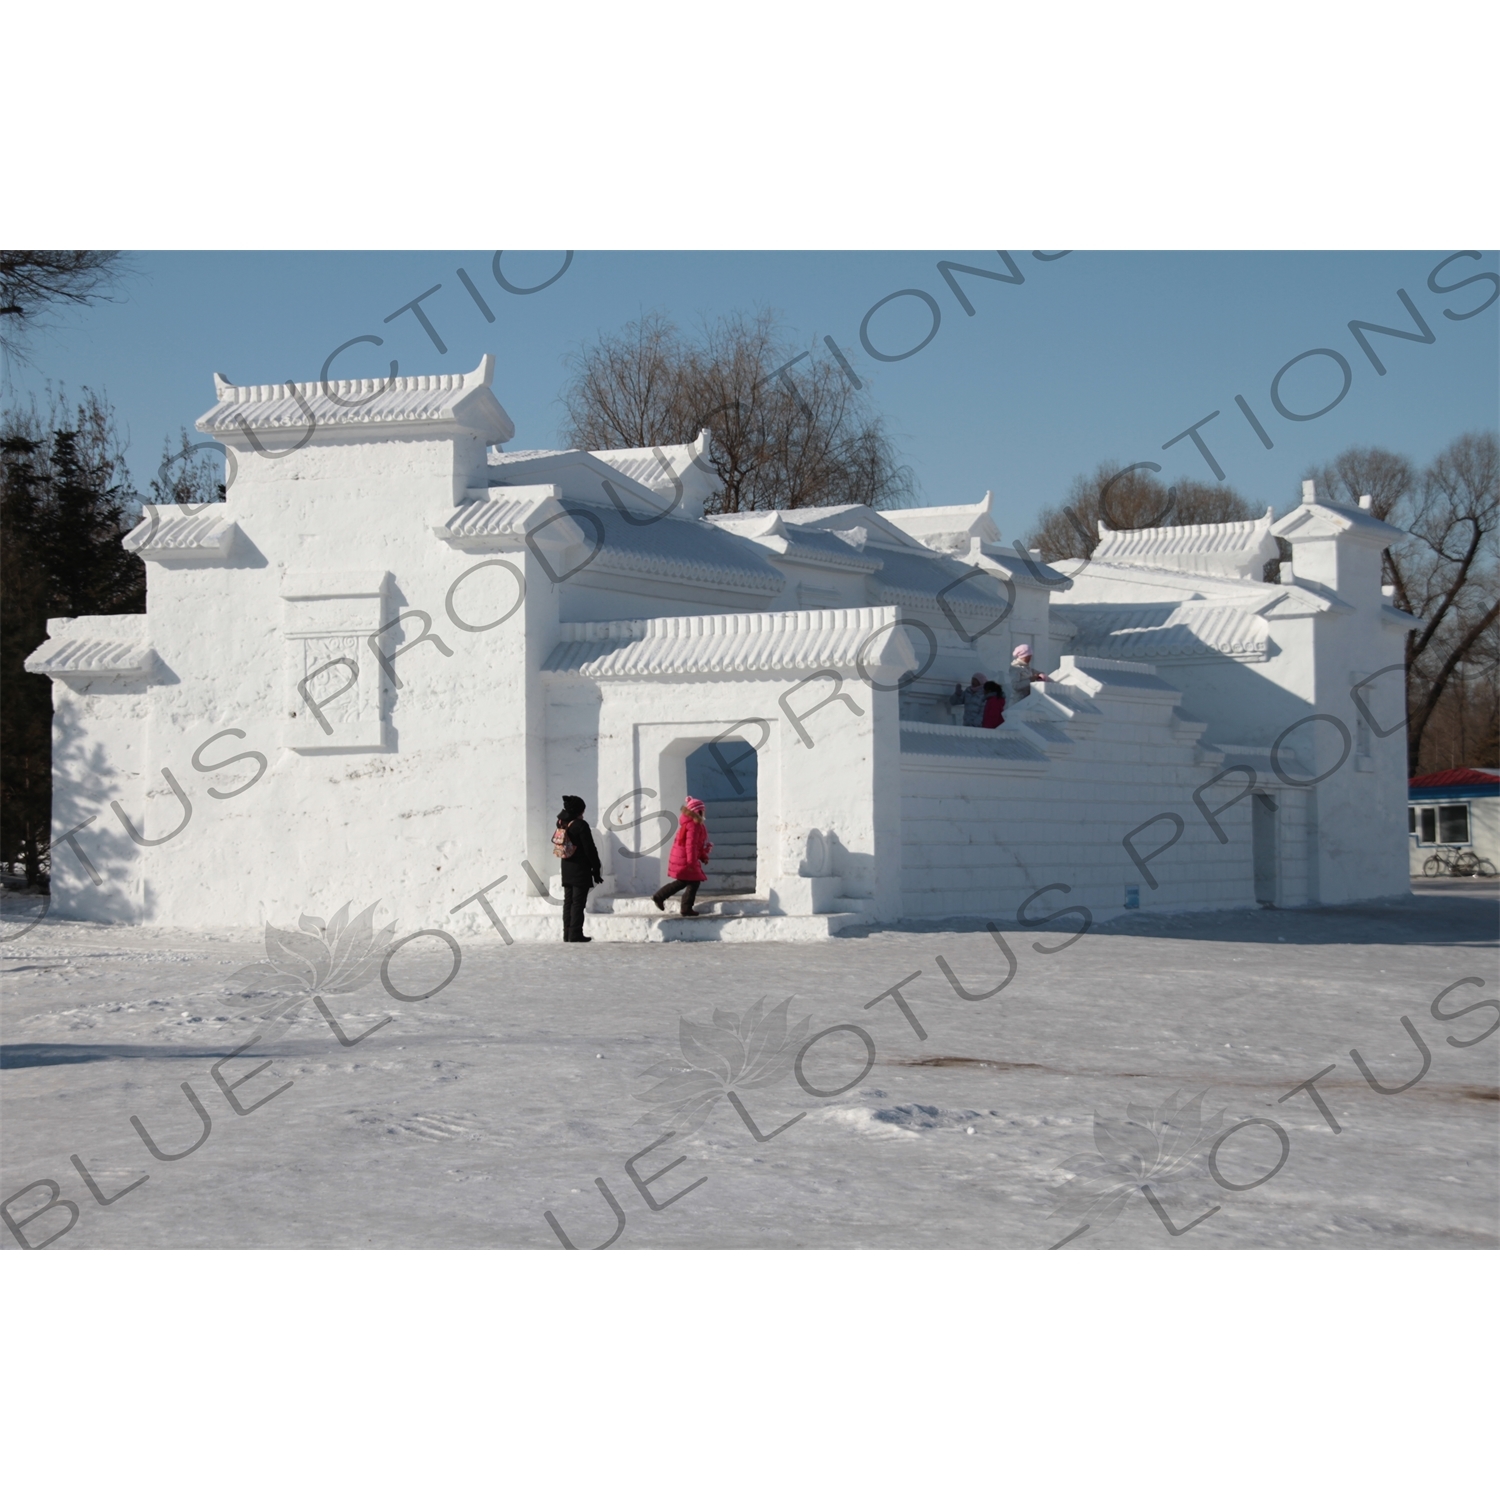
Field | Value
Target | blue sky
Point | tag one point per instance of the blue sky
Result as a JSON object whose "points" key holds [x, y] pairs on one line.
{"points": [[1094, 356]]}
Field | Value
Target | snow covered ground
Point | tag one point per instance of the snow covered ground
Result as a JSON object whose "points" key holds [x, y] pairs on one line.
{"points": [[506, 1095]]}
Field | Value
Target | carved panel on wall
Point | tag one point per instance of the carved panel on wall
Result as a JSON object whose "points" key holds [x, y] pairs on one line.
{"points": [[334, 696]]}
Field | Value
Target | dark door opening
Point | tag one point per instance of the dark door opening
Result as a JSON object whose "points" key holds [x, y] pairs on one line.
{"points": [[1263, 839], [724, 775]]}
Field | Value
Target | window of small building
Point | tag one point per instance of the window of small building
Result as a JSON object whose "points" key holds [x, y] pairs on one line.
{"points": [[1453, 823], [1445, 823]]}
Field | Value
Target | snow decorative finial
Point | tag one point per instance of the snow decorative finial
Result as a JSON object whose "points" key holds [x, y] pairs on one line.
{"points": [[1309, 492], [222, 383]]}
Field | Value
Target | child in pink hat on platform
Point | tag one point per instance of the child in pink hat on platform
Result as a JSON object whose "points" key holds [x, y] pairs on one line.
{"points": [[1021, 675], [690, 851]]}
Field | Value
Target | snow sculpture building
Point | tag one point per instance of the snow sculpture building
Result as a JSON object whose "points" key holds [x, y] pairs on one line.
{"points": [[373, 672]]}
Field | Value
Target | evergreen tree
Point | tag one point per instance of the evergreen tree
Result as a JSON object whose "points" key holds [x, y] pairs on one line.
{"points": [[65, 504]]}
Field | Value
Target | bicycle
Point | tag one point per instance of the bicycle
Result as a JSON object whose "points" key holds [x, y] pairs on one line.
{"points": [[1452, 860]]}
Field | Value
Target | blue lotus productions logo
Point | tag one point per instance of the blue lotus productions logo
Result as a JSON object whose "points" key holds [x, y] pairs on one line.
{"points": [[1151, 1155], [324, 958], [746, 1051]]}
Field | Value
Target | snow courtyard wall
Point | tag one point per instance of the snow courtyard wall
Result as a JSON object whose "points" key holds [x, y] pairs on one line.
{"points": [[1093, 767], [372, 673]]}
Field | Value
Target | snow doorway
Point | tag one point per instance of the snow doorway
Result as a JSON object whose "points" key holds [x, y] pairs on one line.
{"points": [[724, 774], [1263, 841]]}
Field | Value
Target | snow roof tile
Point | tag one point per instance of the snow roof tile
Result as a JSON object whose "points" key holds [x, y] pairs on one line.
{"points": [[1232, 549], [83, 656], [465, 401], [684, 645]]}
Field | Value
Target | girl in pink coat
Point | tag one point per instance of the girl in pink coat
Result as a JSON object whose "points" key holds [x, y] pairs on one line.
{"points": [[690, 851]]}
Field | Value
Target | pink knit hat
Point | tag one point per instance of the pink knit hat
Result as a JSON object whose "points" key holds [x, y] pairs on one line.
{"points": [[694, 805], [1022, 651]]}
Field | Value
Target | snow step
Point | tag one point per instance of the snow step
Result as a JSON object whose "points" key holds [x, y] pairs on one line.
{"points": [[728, 927], [643, 906]]}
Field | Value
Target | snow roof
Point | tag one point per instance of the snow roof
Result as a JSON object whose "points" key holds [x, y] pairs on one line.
{"points": [[1226, 549], [626, 542], [1008, 562], [878, 525], [83, 656], [182, 533], [906, 571], [670, 548], [842, 550], [684, 645], [939, 526], [585, 476], [462, 401], [673, 471], [1317, 519], [1185, 630], [1103, 581], [917, 578], [834, 549], [508, 513]]}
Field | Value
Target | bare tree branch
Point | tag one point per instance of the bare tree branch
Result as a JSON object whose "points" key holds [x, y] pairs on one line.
{"points": [[1419, 719], [35, 281], [788, 429], [1444, 571]]}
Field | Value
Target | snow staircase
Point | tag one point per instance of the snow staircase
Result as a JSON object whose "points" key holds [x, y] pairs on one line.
{"points": [[731, 867]]}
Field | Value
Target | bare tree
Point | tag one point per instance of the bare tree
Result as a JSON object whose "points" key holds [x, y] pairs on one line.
{"points": [[1445, 573], [1129, 500], [34, 281], [1387, 478], [1448, 573], [1464, 726], [788, 429], [625, 389]]}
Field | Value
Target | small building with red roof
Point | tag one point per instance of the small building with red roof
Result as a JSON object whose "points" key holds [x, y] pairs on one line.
{"points": [[1453, 812]]}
